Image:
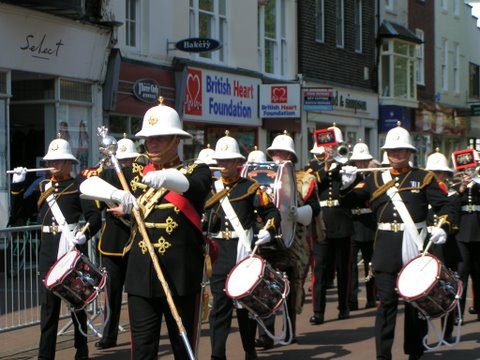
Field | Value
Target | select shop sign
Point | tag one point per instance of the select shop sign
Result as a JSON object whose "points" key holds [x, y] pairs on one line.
{"points": [[280, 101]]}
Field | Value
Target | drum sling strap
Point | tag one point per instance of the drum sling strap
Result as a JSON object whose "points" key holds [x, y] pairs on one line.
{"points": [[66, 238], [412, 242], [244, 236]]}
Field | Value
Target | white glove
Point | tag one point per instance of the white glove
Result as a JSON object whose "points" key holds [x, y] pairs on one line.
{"points": [[438, 236], [79, 239], [19, 175], [172, 179], [124, 198], [292, 214], [263, 237], [349, 174]]}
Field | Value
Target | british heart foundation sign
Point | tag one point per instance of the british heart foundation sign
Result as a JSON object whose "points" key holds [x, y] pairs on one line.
{"points": [[219, 97], [280, 101]]}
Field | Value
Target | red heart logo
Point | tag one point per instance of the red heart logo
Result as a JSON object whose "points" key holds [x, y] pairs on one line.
{"points": [[193, 101]]}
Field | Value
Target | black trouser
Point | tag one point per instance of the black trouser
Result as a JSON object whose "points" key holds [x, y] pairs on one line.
{"points": [[326, 252], [222, 309], [145, 323], [415, 328], [49, 314], [469, 266], [366, 247], [116, 268]]}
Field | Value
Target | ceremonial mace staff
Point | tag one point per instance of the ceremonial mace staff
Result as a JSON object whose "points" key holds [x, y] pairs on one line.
{"points": [[108, 147]]}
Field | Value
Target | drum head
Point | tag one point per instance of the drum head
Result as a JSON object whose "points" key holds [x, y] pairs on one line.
{"points": [[61, 268], [243, 277], [285, 196], [417, 276]]}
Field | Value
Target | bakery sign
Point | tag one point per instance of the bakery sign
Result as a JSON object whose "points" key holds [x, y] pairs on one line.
{"points": [[146, 90], [280, 101]]}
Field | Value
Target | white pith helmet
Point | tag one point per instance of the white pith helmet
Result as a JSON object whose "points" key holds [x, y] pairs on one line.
{"points": [[126, 149], [361, 152], [227, 148], [338, 133], [437, 162], [256, 156], [398, 138], [162, 120], [283, 142], [317, 150], [206, 156], [59, 149], [385, 160]]}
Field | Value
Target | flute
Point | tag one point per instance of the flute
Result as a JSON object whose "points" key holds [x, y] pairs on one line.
{"points": [[369, 169], [32, 170]]}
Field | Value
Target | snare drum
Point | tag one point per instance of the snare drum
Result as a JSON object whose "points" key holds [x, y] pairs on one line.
{"points": [[278, 180], [257, 287], [75, 279], [429, 286]]}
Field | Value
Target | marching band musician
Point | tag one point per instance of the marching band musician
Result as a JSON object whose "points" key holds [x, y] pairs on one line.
{"points": [[230, 212], [171, 205], [59, 190], [256, 156], [411, 189], [334, 250], [295, 260], [113, 238], [448, 253], [468, 236], [364, 227]]}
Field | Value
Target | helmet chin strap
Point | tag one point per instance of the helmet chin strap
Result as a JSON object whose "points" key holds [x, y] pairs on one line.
{"points": [[159, 156]]}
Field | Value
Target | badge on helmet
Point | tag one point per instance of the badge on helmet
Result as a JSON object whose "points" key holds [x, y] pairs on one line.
{"points": [[227, 148], [59, 149]]}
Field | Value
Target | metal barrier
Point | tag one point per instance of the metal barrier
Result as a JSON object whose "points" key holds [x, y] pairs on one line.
{"points": [[20, 281]]}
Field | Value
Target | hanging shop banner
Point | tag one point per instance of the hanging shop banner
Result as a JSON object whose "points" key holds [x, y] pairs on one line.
{"points": [[318, 99], [217, 97], [280, 101]]}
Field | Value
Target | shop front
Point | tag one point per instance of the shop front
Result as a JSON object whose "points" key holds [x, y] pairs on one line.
{"points": [[215, 101], [355, 112], [51, 70]]}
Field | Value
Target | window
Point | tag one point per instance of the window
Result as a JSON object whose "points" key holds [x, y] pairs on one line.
{"points": [[320, 20], [420, 54], [132, 15], [272, 41], [456, 68], [444, 65], [444, 5], [474, 83], [208, 19], [398, 69], [389, 5], [455, 8], [340, 24], [358, 25]]}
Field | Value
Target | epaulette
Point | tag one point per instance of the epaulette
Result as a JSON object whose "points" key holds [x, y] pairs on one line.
{"points": [[427, 180], [89, 172]]}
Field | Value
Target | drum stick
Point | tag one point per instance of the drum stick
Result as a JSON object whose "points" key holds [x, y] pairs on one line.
{"points": [[32, 170], [267, 225], [439, 224], [84, 228]]}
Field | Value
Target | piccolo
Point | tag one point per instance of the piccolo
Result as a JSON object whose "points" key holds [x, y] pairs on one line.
{"points": [[216, 168], [369, 169], [32, 170]]}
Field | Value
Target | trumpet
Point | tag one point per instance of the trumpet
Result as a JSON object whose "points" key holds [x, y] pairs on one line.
{"points": [[473, 173], [339, 153]]}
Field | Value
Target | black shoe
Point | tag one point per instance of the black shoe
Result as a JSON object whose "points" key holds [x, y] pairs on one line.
{"points": [[472, 310], [82, 353], [344, 314], [264, 342], [105, 344], [370, 304], [317, 319], [353, 306]]}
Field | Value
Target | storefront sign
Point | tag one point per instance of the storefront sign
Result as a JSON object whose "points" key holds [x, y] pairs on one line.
{"points": [[280, 101], [475, 110], [317, 99], [146, 90], [197, 45], [49, 45], [390, 115], [213, 96]]}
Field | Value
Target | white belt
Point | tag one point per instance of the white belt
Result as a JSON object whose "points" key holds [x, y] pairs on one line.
{"points": [[226, 235], [395, 227], [329, 203], [470, 208], [55, 229], [361, 211]]}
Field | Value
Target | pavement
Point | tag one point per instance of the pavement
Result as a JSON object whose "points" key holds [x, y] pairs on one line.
{"points": [[335, 339]]}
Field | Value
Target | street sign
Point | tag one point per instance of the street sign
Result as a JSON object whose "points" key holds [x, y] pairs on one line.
{"points": [[317, 99], [198, 45]]}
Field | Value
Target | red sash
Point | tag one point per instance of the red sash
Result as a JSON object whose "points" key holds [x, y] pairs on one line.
{"points": [[185, 207]]}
